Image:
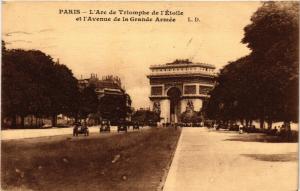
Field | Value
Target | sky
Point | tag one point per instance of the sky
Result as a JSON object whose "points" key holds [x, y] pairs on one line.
{"points": [[127, 49]]}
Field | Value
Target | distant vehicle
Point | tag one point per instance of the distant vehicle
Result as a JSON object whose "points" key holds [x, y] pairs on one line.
{"points": [[151, 123], [46, 126], [123, 126], [233, 127], [209, 123], [221, 126], [251, 129], [105, 126], [80, 129], [197, 125], [136, 126]]}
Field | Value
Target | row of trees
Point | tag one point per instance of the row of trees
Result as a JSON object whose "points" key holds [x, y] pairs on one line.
{"points": [[34, 85], [146, 117], [264, 84]]}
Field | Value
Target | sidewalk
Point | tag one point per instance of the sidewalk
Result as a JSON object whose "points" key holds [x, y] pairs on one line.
{"points": [[10, 134], [206, 160]]}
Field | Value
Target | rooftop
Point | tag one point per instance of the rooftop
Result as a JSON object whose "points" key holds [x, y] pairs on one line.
{"points": [[107, 83], [182, 68], [179, 63]]}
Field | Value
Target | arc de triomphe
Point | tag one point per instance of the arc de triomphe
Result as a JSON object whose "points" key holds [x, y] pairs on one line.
{"points": [[176, 85]]}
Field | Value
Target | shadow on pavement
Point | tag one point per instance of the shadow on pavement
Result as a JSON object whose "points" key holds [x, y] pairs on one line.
{"points": [[258, 137], [274, 157]]}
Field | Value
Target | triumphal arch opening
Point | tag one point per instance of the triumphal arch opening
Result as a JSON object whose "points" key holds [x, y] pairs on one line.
{"points": [[179, 85]]}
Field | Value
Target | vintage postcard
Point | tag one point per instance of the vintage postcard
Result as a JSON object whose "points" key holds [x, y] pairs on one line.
{"points": [[149, 96]]}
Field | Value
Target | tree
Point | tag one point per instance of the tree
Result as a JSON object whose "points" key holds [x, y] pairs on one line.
{"points": [[233, 97], [145, 117], [264, 84], [273, 37], [115, 107], [23, 93], [32, 84], [64, 92], [88, 102]]}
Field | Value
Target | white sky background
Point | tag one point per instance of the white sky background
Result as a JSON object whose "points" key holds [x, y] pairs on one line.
{"points": [[128, 49]]}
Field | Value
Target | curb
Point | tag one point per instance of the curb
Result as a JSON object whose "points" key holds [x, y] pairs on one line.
{"points": [[164, 178]]}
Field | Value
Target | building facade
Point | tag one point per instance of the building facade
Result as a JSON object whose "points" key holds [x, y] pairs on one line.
{"points": [[112, 97], [108, 85], [179, 85]]}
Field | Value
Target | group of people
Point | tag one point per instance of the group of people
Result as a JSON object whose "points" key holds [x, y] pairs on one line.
{"points": [[282, 130], [279, 130]]}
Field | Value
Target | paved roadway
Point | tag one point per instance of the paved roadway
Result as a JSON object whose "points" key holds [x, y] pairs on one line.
{"points": [[205, 160], [11, 134]]}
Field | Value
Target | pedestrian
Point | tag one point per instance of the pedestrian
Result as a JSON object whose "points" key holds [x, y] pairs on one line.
{"points": [[275, 130], [241, 127]]}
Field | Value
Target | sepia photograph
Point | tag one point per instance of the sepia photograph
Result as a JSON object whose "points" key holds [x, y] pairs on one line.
{"points": [[149, 96]]}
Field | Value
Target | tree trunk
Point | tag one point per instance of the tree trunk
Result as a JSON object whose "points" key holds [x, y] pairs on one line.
{"points": [[242, 121], [54, 120], [14, 121], [262, 116], [247, 122], [41, 122], [2, 122], [287, 125], [22, 121], [261, 122], [270, 124], [76, 118], [31, 121], [36, 122]]}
